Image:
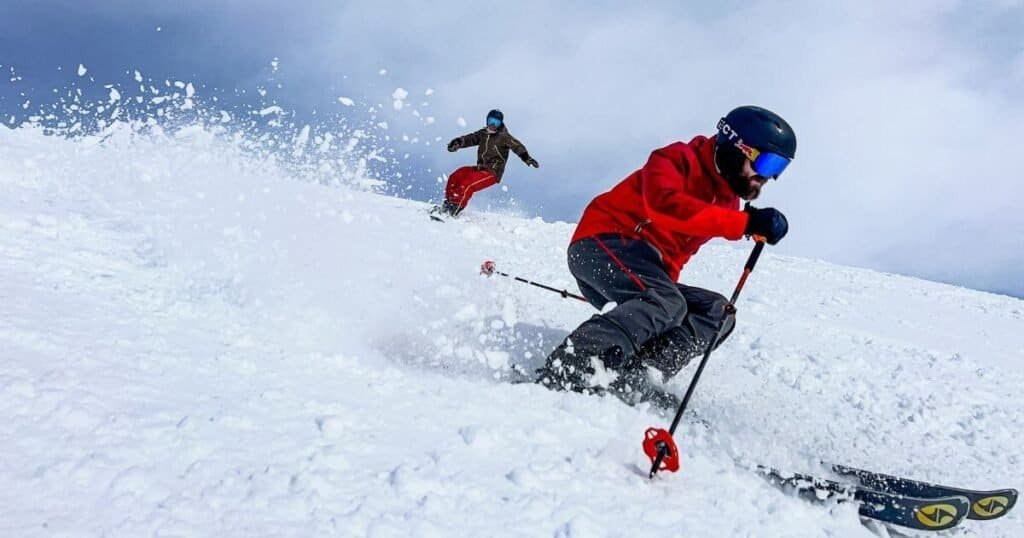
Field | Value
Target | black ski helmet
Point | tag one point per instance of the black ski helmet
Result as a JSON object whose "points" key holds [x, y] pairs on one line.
{"points": [[751, 127]]}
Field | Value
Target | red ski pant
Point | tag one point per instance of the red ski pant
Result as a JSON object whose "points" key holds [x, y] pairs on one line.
{"points": [[466, 181]]}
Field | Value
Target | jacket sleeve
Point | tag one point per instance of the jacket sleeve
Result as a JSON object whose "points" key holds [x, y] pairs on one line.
{"points": [[471, 139], [517, 147], [662, 182]]}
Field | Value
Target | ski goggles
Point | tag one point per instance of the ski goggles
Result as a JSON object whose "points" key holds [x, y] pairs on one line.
{"points": [[493, 122], [766, 164]]}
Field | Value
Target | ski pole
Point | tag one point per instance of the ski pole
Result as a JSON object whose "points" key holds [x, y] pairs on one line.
{"points": [[488, 269], [658, 443]]}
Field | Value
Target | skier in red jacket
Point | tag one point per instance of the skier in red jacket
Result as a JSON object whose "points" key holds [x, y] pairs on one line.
{"points": [[632, 242]]}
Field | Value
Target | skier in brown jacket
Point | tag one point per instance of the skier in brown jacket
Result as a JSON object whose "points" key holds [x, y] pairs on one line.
{"points": [[493, 144]]}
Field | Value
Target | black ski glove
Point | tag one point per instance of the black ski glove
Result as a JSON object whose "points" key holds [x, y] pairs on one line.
{"points": [[769, 223], [530, 161], [454, 144]]}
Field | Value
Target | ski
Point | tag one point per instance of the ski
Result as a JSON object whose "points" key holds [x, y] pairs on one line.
{"points": [[984, 504], [930, 514]]}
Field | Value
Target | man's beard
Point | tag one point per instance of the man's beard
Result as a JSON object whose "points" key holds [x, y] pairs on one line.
{"points": [[744, 187], [729, 161]]}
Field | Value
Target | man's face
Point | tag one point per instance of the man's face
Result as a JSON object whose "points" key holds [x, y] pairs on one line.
{"points": [[750, 183], [493, 124]]}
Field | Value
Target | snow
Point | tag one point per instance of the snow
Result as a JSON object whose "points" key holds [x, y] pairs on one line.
{"points": [[82, 70], [398, 98], [346, 101], [301, 140], [195, 343]]}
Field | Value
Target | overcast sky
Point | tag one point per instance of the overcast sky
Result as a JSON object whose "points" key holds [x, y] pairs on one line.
{"points": [[908, 114]]}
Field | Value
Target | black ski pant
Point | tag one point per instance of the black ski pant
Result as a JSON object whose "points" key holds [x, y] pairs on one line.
{"points": [[656, 322]]}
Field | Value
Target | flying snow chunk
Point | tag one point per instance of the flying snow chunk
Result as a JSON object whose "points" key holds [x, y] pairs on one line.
{"points": [[346, 101], [301, 140], [271, 110], [82, 70], [114, 95], [399, 96], [429, 91], [461, 121], [382, 72]]}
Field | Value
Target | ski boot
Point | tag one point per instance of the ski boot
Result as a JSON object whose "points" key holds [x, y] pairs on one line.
{"points": [[446, 209], [565, 370], [634, 386]]}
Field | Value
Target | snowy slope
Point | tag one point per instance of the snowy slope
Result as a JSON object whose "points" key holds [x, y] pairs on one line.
{"points": [[192, 343]]}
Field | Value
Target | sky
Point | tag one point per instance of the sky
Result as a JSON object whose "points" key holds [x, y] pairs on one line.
{"points": [[907, 115]]}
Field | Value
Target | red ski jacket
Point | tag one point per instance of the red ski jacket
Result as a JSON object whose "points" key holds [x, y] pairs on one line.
{"points": [[677, 202]]}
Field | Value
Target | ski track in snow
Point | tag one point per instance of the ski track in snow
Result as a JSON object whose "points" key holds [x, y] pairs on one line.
{"points": [[197, 346]]}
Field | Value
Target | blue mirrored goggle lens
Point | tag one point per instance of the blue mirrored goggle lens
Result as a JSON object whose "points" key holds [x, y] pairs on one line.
{"points": [[770, 164], [493, 122]]}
